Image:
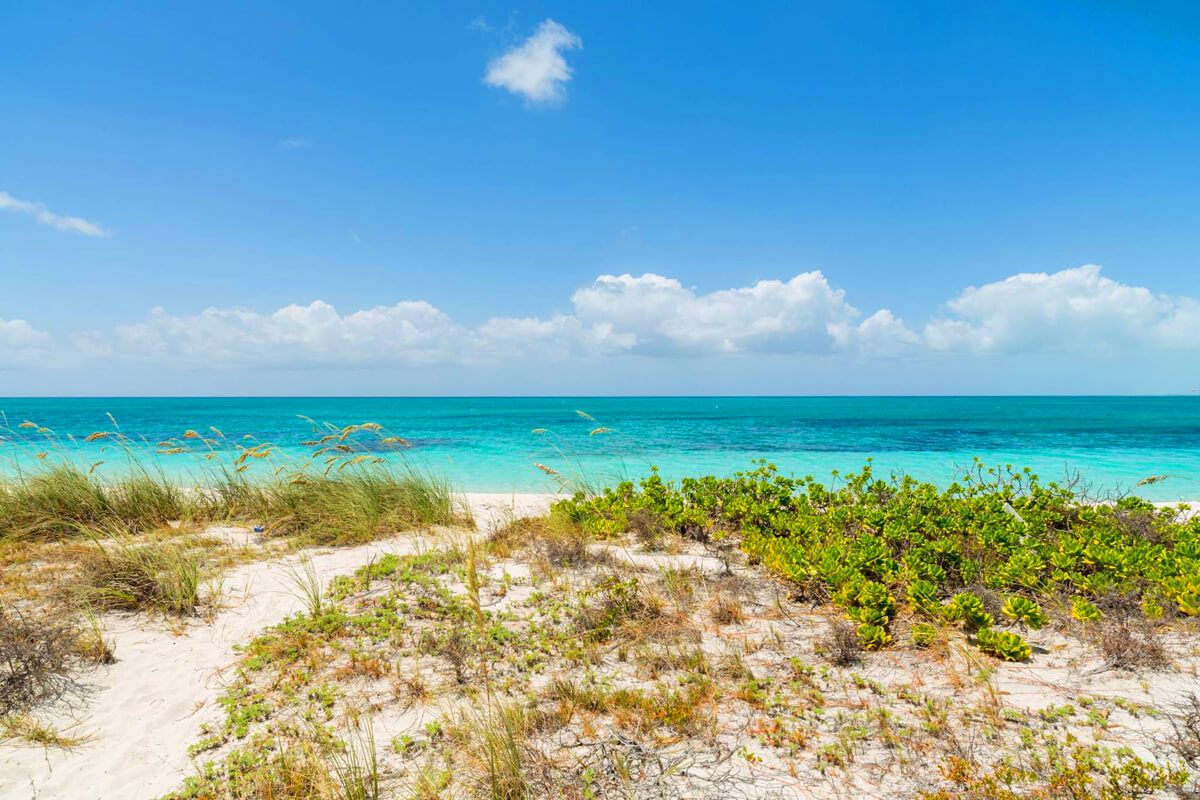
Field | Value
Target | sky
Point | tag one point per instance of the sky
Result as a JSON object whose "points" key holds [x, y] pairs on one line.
{"points": [[394, 198]]}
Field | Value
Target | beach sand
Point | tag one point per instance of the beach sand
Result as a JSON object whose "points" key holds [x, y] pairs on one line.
{"points": [[144, 711]]}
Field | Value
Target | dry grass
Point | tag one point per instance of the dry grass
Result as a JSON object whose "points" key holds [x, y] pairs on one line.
{"points": [[1131, 645], [92, 644], [37, 652], [841, 644], [648, 530], [120, 572], [553, 542], [27, 729], [617, 607], [725, 609], [1185, 733]]}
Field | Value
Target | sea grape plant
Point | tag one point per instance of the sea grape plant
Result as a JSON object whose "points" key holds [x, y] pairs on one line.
{"points": [[865, 541]]}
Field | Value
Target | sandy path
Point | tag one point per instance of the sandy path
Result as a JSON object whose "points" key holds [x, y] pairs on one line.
{"points": [[145, 710]]}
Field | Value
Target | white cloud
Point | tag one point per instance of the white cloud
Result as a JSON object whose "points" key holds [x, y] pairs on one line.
{"points": [[881, 334], [650, 315], [536, 69], [561, 336], [804, 314], [616, 314], [1076, 310], [295, 143], [47, 217], [23, 345], [296, 335]]}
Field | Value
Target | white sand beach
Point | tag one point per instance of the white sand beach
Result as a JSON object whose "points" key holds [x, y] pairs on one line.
{"points": [[142, 712]]}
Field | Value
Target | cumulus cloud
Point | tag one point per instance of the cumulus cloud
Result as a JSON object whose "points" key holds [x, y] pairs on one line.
{"points": [[21, 344], [804, 314], [647, 315], [1076, 310], [654, 316], [536, 69], [881, 334], [47, 217], [296, 335], [560, 336]]}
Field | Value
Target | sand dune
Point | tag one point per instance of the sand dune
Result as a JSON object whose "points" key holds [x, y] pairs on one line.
{"points": [[144, 711]]}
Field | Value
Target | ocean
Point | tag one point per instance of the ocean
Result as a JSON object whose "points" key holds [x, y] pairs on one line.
{"points": [[493, 444]]}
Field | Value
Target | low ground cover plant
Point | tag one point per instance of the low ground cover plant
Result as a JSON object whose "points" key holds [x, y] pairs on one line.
{"points": [[878, 547]]}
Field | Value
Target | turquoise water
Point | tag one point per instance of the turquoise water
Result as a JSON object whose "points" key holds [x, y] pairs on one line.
{"points": [[488, 444]]}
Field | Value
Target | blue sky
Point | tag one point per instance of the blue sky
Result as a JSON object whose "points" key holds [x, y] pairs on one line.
{"points": [[394, 198]]}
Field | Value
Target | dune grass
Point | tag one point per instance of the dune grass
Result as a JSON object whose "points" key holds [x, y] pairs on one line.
{"points": [[121, 572], [355, 506], [340, 492], [59, 500], [29, 730]]}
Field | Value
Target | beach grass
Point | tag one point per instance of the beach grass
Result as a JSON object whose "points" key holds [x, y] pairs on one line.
{"points": [[119, 571], [61, 499], [340, 492], [349, 508]]}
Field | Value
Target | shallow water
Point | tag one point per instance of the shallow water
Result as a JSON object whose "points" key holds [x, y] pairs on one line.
{"points": [[488, 444]]}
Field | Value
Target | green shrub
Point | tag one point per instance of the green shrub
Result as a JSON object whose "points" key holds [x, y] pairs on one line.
{"points": [[923, 634], [922, 596], [1003, 645], [869, 540], [1024, 611], [873, 637], [1084, 610], [968, 609]]}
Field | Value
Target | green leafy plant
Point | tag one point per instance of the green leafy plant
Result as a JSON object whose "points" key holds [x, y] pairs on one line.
{"points": [[922, 596], [923, 634], [1003, 644], [1084, 610], [1024, 611], [873, 637], [866, 541], [968, 609]]}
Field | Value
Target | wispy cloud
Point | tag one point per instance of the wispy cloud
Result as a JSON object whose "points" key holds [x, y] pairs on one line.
{"points": [[536, 69], [295, 143], [23, 345], [45, 216]]}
